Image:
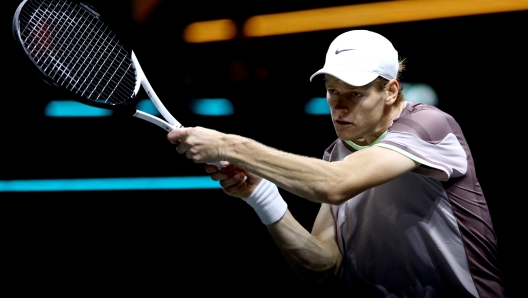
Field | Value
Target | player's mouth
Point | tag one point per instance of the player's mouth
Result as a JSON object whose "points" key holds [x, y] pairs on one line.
{"points": [[341, 122]]}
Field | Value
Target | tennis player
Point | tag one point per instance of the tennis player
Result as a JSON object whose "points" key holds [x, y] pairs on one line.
{"points": [[402, 212]]}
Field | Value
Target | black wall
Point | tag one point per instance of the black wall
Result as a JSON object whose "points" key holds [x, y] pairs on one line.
{"points": [[204, 241]]}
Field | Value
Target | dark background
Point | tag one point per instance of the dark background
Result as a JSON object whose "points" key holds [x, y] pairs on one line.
{"points": [[201, 241]]}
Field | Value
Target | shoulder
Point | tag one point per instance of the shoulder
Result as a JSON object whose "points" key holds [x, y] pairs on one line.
{"points": [[425, 121], [431, 137], [422, 112]]}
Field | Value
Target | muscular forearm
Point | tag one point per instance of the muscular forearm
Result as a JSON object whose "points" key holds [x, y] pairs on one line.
{"points": [[308, 177], [313, 259]]}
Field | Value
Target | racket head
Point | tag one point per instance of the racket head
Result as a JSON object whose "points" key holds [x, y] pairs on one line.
{"points": [[68, 44]]}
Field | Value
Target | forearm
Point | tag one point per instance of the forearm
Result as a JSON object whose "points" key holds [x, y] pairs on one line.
{"points": [[313, 256], [314, 260], [307, 177]]}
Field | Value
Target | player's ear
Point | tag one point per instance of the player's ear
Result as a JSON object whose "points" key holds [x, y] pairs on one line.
{"points": [[392, 88]]}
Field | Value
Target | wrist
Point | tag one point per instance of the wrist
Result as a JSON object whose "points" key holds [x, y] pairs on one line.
{"points": [[267, 202]]}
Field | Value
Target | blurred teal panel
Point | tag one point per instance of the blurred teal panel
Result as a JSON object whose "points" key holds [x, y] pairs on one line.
{"points": [[317, 106], [147, 106], [212, 106], [104, 184], [71, 108], [420, 93]]}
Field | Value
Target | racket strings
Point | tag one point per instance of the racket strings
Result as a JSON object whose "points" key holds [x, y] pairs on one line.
{"points": [[77, 51]]}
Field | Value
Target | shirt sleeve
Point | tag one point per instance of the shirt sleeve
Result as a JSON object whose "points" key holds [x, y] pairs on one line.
{"points": [[429, 137]]}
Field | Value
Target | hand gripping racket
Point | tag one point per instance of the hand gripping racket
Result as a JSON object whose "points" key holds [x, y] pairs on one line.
{"points": [[68, 44]]}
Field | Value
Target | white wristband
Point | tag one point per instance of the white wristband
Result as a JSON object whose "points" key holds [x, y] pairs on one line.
{"points": [[267, 202]]}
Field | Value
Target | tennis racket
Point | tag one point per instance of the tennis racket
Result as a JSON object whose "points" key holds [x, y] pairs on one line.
{"points": [[69, 45]]}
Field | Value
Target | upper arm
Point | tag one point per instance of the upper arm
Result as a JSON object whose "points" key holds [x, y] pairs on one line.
{"points": [[367, 168]]}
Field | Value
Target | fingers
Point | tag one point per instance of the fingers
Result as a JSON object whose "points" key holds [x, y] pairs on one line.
{"points": [[211, 168], [172, 139], [182, 148], [239, 190], [196, 143], [233, 180], [228, 173], [177, 136]]}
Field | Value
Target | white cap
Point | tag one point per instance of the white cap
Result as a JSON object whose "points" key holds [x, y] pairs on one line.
{"points": [[358, 57]]}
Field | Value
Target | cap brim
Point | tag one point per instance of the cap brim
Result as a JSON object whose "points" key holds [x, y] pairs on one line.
{"points": [[349, 75]]}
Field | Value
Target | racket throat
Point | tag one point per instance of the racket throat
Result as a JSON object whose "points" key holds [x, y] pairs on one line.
{"points": [[154, 120]]}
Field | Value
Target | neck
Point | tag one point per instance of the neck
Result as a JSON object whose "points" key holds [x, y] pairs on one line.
{"points": [[397, 110], [392, 113]]}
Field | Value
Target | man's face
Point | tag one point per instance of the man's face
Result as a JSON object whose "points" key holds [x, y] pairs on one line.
{"points": [[358, 113]]}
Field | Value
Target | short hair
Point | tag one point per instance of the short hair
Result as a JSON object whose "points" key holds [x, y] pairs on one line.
{"points": [[381, 83]]}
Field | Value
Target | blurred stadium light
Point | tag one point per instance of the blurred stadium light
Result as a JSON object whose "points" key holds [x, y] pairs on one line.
{"points": [[70, 108], [209, 31], [348, 16], [420, 93], [212, 107], [106, 184], [147, 106], [317, 106], [199, 106]]}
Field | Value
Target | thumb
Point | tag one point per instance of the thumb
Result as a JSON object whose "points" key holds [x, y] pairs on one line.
{"points": [[175, 135]]}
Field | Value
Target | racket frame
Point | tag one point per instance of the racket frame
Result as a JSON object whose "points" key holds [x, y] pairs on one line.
{"points": [[171, 122], [141, 80]]}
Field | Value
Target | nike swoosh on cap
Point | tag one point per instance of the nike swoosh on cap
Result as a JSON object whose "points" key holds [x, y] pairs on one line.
{"points": [[339, 51]]}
